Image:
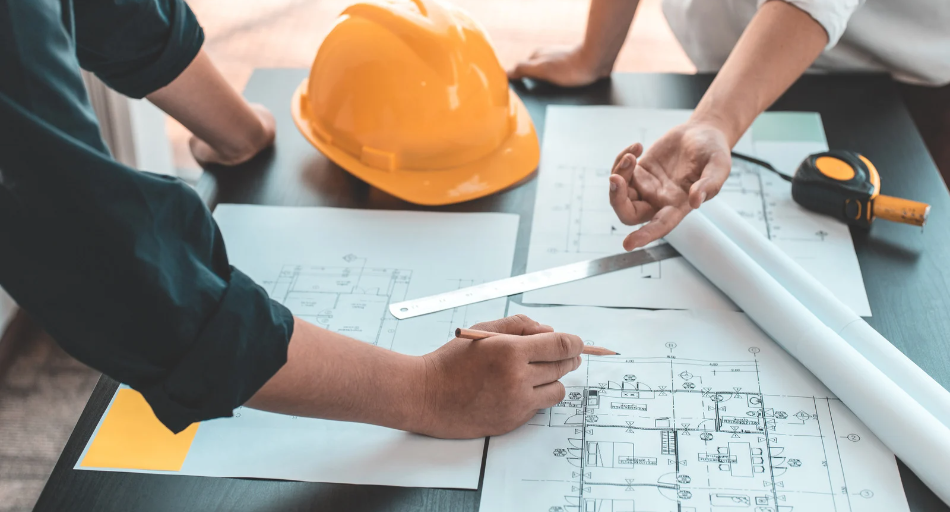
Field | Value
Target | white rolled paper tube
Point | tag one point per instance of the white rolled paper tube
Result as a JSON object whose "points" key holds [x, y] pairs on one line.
{"points": [[831, 311], [909, 430]]}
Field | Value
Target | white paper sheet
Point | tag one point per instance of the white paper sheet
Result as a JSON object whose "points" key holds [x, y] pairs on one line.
{"points": [[899, 421], [340, 269], [359, 260], [701, 412], [832, 312], [573, 220]]}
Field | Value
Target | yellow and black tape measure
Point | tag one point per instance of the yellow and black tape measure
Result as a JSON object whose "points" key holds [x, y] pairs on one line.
{"points": [[846, 186]]}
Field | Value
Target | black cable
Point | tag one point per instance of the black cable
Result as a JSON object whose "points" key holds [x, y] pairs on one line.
{"points": [[761, 163]]}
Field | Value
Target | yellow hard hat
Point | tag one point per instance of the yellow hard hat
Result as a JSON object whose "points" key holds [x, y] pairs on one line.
{"points": [[410, 97]]}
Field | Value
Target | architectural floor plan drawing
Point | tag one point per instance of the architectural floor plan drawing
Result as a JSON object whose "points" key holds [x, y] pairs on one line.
{"points": [[353, 299], [309, 260], [573, 220], [701, 413]]}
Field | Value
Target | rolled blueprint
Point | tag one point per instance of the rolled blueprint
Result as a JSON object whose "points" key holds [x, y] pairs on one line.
{"points": [[907, 428], [831, 311]]}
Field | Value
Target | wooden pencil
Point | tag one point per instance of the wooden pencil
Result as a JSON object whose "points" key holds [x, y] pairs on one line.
{"points": [[475, 334]]}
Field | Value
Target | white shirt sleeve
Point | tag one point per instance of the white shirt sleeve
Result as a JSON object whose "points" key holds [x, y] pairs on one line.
{"points": [[832, 15]]}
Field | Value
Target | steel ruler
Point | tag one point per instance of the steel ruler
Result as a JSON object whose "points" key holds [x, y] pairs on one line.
{"points": [[532, 281]]}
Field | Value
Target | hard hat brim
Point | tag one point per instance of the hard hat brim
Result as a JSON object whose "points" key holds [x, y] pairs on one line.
{"points": [[514, 159]]}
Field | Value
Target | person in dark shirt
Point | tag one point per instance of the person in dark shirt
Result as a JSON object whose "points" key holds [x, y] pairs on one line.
{"points": [[128, 271]]}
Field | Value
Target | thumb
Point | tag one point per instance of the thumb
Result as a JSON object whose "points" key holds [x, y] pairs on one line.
{"points": [[703, 190], [710, 182]]}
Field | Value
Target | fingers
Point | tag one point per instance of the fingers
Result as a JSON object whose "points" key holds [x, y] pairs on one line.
{"points": [[516, 73], [648, 186], [662, 223], [549, 395], [627, 158], [526, 69], [545, 373], [551, 346], [636, 149], [519, 325], [202, 152], [626, 202], [710, 181], [624, 167]]}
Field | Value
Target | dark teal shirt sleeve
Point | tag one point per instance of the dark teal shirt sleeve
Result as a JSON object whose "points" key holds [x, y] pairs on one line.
{"points": [[136, 46], [126, 270]]}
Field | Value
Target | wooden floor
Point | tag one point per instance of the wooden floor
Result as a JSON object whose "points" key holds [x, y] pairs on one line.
{"points": [[43, 390]]}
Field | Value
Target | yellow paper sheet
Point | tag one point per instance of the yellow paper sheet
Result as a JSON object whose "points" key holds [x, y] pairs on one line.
{"points": [[131, 437]]}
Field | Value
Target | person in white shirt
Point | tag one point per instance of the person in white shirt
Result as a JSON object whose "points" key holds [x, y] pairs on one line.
{"points": [[759, 48]]}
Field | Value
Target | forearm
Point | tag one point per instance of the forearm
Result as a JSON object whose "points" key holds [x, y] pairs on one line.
{"points": [[778, 46], [608, 22], [212, 110], [331, 376]]}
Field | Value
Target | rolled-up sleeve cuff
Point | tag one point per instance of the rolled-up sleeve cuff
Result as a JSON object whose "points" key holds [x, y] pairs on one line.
{"points": [[832, 15], [184, 43], [238, 351]]}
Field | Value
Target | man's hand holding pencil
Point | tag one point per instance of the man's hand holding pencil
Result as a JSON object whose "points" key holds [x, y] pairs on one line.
{"points": [[493, 385]]}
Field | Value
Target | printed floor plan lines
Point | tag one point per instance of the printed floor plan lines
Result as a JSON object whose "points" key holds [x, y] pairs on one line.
{"points": [[702, 431], [351, 300], [591, 228], [573, 220], [354, 300], [701, 413]]}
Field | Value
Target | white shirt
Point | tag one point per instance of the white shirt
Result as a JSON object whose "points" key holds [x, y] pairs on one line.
{"points": [[910, 39]]}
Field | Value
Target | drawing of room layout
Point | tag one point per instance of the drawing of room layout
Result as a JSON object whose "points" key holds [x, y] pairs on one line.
{"points": [[351, 300], [694, 436]]}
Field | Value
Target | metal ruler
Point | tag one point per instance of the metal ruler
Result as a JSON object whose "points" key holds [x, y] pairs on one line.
{"points": [[533, 281]]}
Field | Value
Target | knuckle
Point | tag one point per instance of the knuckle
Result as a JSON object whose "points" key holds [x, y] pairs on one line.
{"points": [[559, 392], [569, 345], [564, 343], [484, 326], [501, 325], [505, 325]]}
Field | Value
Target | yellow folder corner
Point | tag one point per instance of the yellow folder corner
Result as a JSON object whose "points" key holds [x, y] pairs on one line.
{"points": [[131, 437]]}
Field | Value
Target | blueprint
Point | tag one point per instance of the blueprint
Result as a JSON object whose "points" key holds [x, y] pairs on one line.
{"points": [[573, 220], [353, 299], [338, 269], [701, 412]]}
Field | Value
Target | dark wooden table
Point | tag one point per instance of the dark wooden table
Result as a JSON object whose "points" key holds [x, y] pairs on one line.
{"points": [[905, 271]]}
